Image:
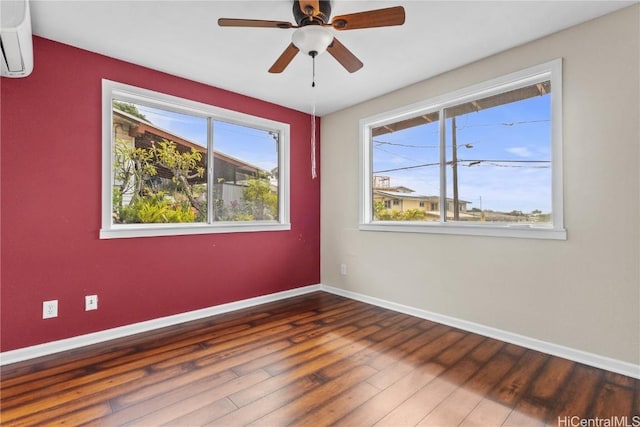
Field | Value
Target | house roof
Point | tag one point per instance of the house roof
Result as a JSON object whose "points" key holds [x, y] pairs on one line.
{"points": [[401, 195], [141, 127], [467, 107]]}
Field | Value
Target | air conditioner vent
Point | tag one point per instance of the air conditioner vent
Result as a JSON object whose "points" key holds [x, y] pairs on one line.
{"points": [[16, 43]]}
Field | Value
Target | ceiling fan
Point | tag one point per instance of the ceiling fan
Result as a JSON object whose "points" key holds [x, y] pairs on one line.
{"points": [[312, 37]]}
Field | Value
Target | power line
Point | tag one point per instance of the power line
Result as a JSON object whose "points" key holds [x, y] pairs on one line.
{"points": [[509, 124], [396, 154], [505, 161], [408, 167], [397, 144], [473, 163], [525, 122]]}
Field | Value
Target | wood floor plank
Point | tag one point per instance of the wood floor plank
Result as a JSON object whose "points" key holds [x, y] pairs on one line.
{"points": [[495, 410], [509, 390], [159, 383], [397, 367], [318, 338], [378, 406], [183, 402], [578, 393], [315, 398], [418, 406], [545, 388], [307, 367], [519, 418], [366, 355], [344, 403], [137, 403], [268, 402], [38, 411], [203, 415], [212, 350], [460, 403], [320, 342], [82, 416], [287, 364], [311, 360], [612, 400], [13, 376], [453, 354], [393, 355], [487, 413]]}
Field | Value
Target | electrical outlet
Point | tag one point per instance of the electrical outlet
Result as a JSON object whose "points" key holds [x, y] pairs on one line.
{"points": [[343, 269], [50, 309], [91, 302]]}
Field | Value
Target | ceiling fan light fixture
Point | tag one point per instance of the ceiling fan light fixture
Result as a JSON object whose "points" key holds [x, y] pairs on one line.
{"points": [[312, 39]]}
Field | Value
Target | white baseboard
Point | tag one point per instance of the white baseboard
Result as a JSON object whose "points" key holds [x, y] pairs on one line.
{"points": [[591, 359], [45, 349]]}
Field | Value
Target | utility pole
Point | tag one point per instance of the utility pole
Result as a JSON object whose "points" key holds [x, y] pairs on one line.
{"points": [[454, 169]]}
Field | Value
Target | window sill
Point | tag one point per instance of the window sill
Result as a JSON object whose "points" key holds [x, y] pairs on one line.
{"points": [[137, 230], [517, 231]]}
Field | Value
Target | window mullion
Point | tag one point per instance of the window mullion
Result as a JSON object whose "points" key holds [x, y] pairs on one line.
{"points": [[210, 172], [443, 167]]}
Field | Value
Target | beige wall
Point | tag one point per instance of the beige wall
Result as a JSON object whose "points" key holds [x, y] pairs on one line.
{"points": [[583, 293]]}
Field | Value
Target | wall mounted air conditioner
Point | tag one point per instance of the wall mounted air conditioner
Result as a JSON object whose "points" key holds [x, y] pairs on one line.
{"points": [[15, 38]]}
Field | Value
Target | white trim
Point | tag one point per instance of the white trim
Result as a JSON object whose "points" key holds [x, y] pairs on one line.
{"points": [[128, 93], [591, 359], [52, 347], [155, 230], [524, 231], [551, 71]]}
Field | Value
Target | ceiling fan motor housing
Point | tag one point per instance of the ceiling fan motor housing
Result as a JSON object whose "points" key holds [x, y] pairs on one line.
{"points": [[318, 17]]}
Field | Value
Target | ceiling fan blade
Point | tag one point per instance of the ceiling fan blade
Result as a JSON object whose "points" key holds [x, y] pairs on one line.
{"points": [[370, 19], [344, 56], [255, 23], [287, 56]]}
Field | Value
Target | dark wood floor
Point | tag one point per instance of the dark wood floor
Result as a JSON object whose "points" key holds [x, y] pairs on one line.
{"points": [[314, 360]]}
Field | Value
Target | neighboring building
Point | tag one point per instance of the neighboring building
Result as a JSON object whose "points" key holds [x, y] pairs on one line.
{"points": [[402, 199], [230, 174]]}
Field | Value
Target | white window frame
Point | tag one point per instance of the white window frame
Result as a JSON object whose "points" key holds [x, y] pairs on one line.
{"points": [[127, 93], [549, 71]]}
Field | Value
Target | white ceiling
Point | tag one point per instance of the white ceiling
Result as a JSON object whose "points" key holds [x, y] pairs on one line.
{"points": [[182, 37]]}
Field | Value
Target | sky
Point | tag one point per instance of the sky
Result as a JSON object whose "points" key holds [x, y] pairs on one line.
{"points": [[251, 145], [503, 155]]}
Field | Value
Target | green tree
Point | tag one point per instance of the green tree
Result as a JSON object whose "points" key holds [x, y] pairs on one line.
{"points": [[134, 167], [259, 199], [381, 213], [130, 109], [184, 167]]}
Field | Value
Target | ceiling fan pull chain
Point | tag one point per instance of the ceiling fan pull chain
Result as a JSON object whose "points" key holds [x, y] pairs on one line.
{"points": [[313, 76], [314, 173]]}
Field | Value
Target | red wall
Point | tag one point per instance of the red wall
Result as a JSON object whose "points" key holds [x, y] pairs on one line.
{"points": [[50, 216]]}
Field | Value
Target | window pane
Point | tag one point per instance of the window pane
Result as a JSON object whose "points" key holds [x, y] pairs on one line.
{"points": [[406, 170], [499, 157], [159, 166], [246, 173]]}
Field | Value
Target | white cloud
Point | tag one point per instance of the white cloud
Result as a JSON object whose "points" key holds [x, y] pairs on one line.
{"points": [[520, 151]]}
